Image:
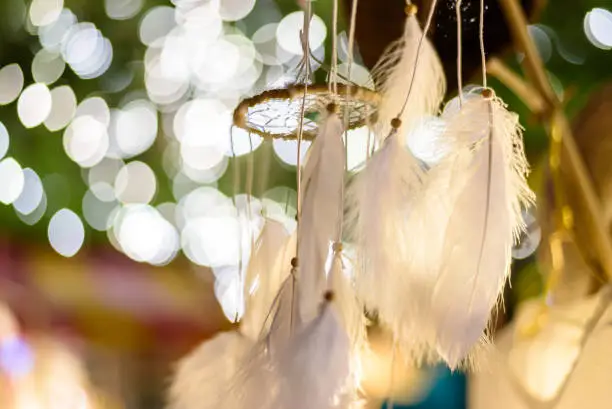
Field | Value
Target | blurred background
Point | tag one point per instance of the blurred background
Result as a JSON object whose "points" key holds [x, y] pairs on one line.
{"points": [[123, 183]]}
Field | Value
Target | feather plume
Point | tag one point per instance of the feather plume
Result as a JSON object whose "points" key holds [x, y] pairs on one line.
{"points": [[394, 73], [257, 381], [352, 315], [314, 369], [347, 303], [489, 181], [379, 203], [322, 184], [203, 375], [266, 272]]}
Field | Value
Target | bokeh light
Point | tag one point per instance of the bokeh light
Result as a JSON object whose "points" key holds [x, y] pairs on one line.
{"points": [[47, 66], [86, 50], [234, 10], [45, 12], [66, 232], [34, 105], [145, 235], [63, 108], [122, 9], [95, 107], [135, 183], [156, 24], [287, 151], [4, 140], [288, 32], [11, 83], [97, 213], [12, 180], [135, 127], [31, 195], [598, 28], [86, 141]]}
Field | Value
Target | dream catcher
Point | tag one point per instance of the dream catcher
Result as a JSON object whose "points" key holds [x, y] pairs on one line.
{"points": [[426, 247]]}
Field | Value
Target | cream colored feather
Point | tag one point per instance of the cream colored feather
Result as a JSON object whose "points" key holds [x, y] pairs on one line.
{"points": [[267, 269], [315, 368], [202, 377], [488, 189], [347, 303], [351, 312], [393, 75], [379, 202], [322, 184]]}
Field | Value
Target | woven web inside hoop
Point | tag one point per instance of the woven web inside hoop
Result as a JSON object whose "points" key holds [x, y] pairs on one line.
{"points": [[276, 113]]}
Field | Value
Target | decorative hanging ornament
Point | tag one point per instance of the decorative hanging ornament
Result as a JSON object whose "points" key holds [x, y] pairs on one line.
{"points": [[278, 113]]}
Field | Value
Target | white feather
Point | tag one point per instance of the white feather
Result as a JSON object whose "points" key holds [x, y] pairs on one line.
{"points": [[315, 367], [201, 378], [379, 203], [322, 184], [394, 72], [257, 382], [347, 303], [267, 269], [488, 173], [351, 312]]}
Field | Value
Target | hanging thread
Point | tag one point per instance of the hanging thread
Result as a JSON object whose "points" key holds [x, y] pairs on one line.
{"points": [[459, 50], [416, 61], [483, 56]]}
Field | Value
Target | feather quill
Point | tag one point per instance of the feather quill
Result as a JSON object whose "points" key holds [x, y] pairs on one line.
{"points": [[322, 184], [489, 175], [393, 75]]}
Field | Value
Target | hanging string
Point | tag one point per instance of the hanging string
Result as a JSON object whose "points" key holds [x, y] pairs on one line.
{"points": [[306, 50], [483, 56], [419, 48], [351, 45], [459, 50], [334, 55], [249, 189], [236, 189]]}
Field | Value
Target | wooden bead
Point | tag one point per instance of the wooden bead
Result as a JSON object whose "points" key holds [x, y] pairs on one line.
{"points": [[294, 262], [487, 93], [329, 296], [396, 123], [411, 9], [332, 108]]}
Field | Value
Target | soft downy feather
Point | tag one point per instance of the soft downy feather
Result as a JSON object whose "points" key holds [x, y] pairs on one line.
{"points": [[235, 368], [257, 381], [394, 73], [489, 187], [314, 369], [379, 202], [351, 312], [266, 271], [322, 184], [201, 377]]}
